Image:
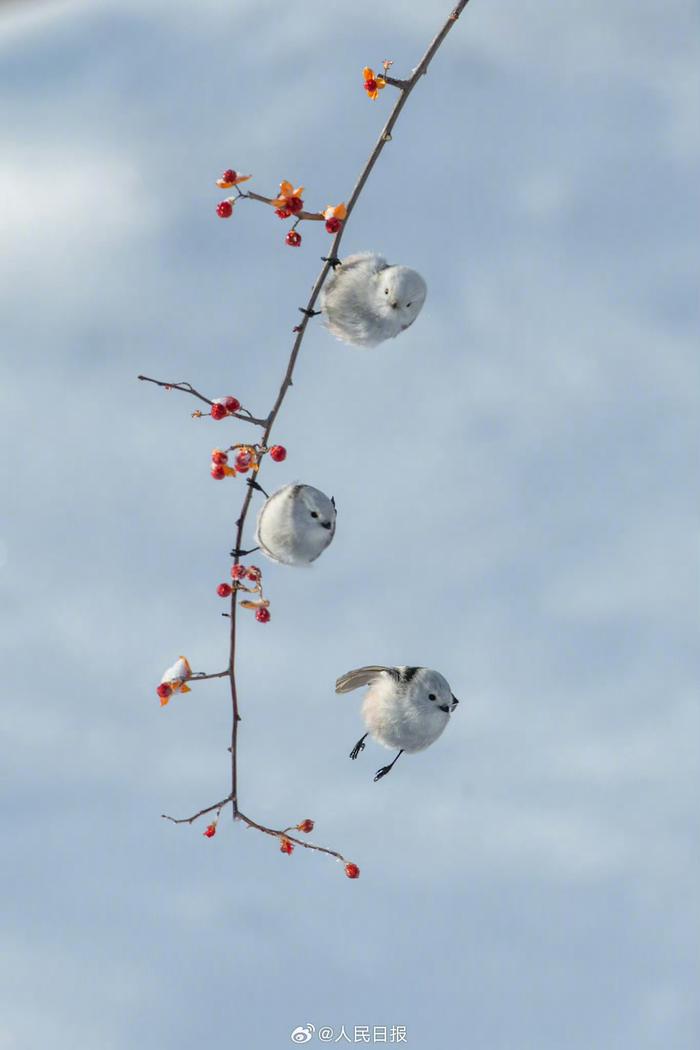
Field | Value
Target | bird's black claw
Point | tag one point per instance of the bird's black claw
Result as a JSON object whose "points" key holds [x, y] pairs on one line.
{"points": [[382, 772], [332, 259], [359, 746], [309, 313], [256, 485], [238, 552]]}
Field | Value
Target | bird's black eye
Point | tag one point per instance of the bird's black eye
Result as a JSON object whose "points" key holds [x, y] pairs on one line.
{"points": [[408, 304], [314, 514], [432, 696], [386, 291]]}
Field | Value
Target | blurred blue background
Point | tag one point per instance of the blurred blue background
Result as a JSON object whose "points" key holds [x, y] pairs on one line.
{"points": [[516, 479]]}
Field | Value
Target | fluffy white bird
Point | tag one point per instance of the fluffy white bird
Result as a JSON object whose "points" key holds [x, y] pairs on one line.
{"points": [[296, 524], [405, 707], [365, 300]]}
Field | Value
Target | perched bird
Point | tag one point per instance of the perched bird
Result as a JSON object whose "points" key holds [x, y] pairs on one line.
{"points": [[404, 707], [296, 524], [365, 300]]}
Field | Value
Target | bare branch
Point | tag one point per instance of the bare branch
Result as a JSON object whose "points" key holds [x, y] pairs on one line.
{"points": [[187, 388], [284, 833], [195, 816], [405, 88], [314, 216]]}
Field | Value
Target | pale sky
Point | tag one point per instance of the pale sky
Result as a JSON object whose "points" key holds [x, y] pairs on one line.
{"points": [[516, 480]]}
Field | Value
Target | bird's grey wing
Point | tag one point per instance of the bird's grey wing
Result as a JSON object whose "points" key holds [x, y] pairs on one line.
{"points": [[361, 676], [376, 262], [287, 491], [258, 538]]}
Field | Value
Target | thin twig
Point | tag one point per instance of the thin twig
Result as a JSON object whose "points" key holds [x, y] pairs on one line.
{"points": [[195, 816], [313, 216], [284, 833], [395, 82], [187, 388]]}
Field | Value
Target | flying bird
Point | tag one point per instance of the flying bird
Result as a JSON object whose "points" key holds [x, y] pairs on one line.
{"points": [[405, 707]]}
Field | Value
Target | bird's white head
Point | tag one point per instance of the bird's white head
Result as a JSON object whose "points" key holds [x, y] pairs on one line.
{"points": [[316, 509], [429, 690], [401, 293]]}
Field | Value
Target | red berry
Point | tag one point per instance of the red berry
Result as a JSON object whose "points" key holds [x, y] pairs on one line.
{"points": [[231, 404], [370, 85], [283, 213], [293, 239], [333, 224], [263, 615], [352, 871], [164, 690], [223, 590], [306, 826], [218, 411], [217, 471], [286, 846], [224, 210], [218, 457], [278, 453], [210, 831], [229, 175], [242, 461], [238, 572], [294, 204], [253, 573]]}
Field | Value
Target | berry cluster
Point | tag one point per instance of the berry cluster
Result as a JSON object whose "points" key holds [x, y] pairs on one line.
{"points": [[224, 406], [253, 575], [289, 203], [247, 457], [228, 180]]}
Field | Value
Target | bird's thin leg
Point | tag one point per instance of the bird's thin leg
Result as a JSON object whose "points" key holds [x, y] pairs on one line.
{"points": [[385, 769], [309, 313], [256, 485], [237, 552], [332, 259], [359, 746]]}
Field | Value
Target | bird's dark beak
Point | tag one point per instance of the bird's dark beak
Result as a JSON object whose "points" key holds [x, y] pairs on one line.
{"points": [[394, 305], [333, 500], [455, 701], [327, 524]]}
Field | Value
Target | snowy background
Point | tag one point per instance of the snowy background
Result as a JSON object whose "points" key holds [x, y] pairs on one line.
{"points": [[517, 487]]}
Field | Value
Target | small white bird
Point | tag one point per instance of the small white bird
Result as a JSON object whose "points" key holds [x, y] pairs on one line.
{"points": [[296, 524], [366, 300], [405, 707]]}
